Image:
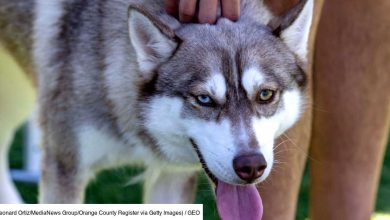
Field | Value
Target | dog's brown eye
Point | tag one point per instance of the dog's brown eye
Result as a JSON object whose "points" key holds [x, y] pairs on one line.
{"points": [[266, 96]]}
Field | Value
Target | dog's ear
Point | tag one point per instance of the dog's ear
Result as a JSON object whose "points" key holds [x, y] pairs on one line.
{"points": [[153, 41], [293, 28]]}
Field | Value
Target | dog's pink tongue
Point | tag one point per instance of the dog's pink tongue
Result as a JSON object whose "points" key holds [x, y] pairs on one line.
{"points": [[238, 202]]}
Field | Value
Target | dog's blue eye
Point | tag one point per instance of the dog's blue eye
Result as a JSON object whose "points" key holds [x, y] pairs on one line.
{"points": [[204, 100]]}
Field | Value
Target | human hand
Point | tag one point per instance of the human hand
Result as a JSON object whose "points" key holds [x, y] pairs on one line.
{"points": [[185, 10]]}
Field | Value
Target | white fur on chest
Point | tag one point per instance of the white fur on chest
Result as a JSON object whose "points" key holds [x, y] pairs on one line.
{"points": [[99, 150]]}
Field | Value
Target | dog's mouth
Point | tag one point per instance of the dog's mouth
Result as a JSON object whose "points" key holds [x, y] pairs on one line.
{"points": [[233, 201]]}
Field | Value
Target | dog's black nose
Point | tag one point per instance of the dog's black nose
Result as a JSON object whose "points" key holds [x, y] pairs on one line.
{"points": [[249, 167]]}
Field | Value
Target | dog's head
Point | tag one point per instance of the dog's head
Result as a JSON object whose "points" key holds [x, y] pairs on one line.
{"points": [[222, 93]]}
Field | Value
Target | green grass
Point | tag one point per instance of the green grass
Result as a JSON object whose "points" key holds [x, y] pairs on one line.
{"points": [[383, 200], [111, 187]]}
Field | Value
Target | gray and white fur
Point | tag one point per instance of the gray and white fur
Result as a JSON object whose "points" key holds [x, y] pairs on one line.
{"points": [[118, 83]]}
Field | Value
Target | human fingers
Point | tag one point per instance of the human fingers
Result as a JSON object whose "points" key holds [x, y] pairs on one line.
{"points": [[208, 11], [231, 9], [172, 7], [187, 10]]}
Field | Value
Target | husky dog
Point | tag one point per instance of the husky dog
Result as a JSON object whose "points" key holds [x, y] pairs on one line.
{"points": [[121, 82]]}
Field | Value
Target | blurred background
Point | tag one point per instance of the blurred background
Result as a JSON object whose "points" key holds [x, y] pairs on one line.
{"points": [[113, 186]]}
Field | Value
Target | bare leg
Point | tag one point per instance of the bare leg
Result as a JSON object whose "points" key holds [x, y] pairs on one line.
{"points": [[280, 190], [352, 89]]}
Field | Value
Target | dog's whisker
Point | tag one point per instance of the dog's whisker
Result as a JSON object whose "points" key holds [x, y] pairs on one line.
{"points": [[279, 144], [279, 162], [295, 144], [301, 149]]}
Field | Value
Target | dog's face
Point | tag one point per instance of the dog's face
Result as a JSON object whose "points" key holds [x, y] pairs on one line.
{"points": [[221, 93]]}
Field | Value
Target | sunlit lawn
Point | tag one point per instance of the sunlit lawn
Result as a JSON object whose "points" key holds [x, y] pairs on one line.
{"points": [[380, 216]]}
